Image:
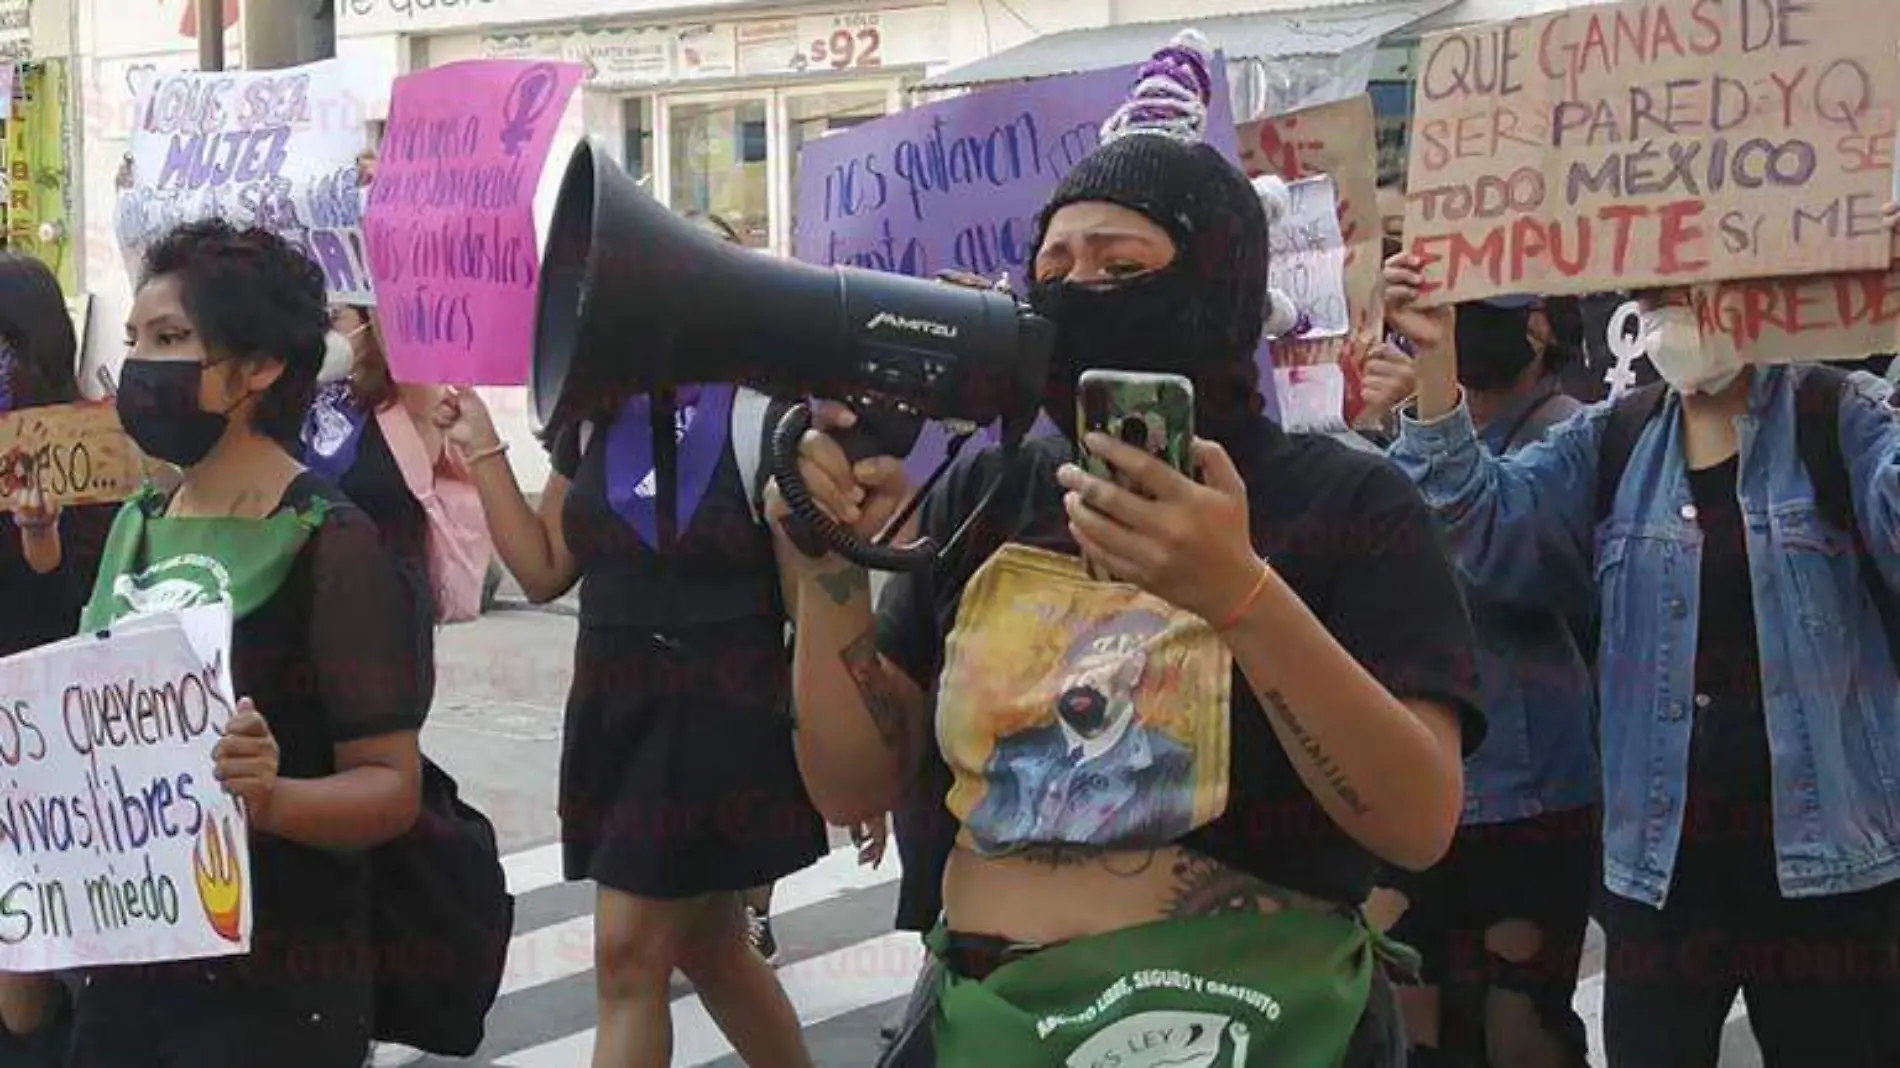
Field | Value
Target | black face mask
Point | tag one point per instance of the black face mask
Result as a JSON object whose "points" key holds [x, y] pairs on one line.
{"points": [[1492, 358], [1085, 709], [1154, 323], [158, 407]]}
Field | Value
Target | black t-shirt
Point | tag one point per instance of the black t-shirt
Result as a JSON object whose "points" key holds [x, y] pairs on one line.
{"points": [[1346, 531], [334, 656], [1730, 787], [39, 609]]}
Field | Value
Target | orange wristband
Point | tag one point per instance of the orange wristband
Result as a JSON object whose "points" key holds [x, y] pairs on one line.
{"points": [[1246, 603]]}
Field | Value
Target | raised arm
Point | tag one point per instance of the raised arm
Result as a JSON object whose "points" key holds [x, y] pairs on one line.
{"points": [[527, 537], [1522, 529], [862, 721]]}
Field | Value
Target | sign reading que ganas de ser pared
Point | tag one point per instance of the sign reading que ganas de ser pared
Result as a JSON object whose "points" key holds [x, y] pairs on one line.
{"points": [[1654, 143]]}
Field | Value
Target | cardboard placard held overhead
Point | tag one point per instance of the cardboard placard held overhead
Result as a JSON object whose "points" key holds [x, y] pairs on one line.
{"points": [[1801, 320], [74, 453], [1315, 375], [1654, 143], [268, 148]]}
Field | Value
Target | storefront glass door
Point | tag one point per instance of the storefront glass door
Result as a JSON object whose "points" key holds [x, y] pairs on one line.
{"points": [[735, 155], [719, 154]]}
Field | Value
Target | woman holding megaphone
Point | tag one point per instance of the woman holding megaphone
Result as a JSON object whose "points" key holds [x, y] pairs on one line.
{"points": [[679, 792], [1277, 659]]}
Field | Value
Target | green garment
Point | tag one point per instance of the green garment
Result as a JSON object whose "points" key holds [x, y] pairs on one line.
{"points": [[156, 564], [1240, 990]]}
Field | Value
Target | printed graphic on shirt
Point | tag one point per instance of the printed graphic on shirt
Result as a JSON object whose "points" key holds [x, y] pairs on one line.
{"points": [[173, 585], [1078, 712]]}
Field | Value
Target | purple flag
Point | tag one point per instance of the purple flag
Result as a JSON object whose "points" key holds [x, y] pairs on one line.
{"points": [[957, 185]]}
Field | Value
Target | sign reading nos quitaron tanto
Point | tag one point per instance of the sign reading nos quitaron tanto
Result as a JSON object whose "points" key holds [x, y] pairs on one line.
{"points": [[1654, 143], [117, 845]]}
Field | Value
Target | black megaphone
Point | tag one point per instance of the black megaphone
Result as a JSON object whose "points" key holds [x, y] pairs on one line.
{"points": [[634, 299]]}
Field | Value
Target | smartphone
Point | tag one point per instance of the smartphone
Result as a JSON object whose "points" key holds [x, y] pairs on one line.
{"points": [[1153, 412]]}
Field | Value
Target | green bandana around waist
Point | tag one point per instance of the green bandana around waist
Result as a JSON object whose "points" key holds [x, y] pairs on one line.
{"points": [[154, 564], [1240, 990]]}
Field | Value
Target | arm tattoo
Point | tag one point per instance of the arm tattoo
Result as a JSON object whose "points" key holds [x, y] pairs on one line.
{"points": [[1322, 760], [1204, 887], [885, 702], [845, 583]]}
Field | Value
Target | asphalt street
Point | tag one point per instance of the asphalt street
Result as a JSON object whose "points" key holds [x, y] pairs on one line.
{"points": [[496, 726]]}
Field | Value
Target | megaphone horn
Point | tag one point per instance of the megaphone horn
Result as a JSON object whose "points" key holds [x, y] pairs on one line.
{"points": [[634, 299]]}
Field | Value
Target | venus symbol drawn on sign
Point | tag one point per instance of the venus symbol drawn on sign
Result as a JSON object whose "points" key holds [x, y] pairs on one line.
{"points": [[1626, 346], [528, 100]]}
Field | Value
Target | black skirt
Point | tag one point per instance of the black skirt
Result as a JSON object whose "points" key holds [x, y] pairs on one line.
{"points": [[677, 771]]}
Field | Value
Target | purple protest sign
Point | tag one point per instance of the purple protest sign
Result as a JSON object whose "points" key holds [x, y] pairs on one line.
{"points": [[957, 186], [450, 226]]}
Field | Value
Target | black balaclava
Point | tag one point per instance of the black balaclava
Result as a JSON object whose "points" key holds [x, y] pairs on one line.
{"points": [[1494, 345], [1200, 316]]}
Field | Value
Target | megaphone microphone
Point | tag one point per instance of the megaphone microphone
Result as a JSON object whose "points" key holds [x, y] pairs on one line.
{"points": [[633, 299]]}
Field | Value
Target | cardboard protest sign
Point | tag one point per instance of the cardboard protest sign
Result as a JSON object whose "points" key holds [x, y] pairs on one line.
{"points": [[74, 453], [1316, 376], [957, 185], [1654, 143], [117, 845], [274, 149], [1801, 320], [451, 217]]}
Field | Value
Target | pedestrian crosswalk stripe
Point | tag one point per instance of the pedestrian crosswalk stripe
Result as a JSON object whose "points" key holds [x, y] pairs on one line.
{"points": [[820, 988], [566, 949], [533, 869]]}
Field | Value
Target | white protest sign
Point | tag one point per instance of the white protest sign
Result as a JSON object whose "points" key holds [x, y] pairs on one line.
{"points": [[275, 149], [117, 846], [1309, 257]]}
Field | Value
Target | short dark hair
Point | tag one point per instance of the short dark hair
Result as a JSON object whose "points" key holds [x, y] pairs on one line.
{"points": [[35, 322], [252, 296]]}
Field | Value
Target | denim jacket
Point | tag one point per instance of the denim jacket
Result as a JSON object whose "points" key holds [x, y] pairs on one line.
{"points": [[1537, 755], [1524, 530]]}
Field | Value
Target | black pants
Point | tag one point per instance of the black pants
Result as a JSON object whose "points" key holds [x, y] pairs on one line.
{"points": [[1541, 871], [207, 1016], [1818, 974]]}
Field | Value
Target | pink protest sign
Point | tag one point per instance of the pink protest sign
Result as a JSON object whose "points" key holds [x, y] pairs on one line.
{"points": [[450, 226]]}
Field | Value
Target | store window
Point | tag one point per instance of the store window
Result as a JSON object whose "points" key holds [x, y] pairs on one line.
{"points": [[718, 162], [637, 116]]}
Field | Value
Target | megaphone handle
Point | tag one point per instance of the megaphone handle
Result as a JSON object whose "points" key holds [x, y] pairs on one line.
{"points": [[816, 534]]}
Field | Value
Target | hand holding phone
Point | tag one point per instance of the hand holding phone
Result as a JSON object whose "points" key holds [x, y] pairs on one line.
{"points": [[1151, 412]]}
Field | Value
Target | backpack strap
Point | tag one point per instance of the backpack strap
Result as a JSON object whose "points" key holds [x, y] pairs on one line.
{"points": [[755, 418], [1629, 414], [1818, 438]]}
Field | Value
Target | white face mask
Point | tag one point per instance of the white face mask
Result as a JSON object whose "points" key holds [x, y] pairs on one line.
{"points": [[1672, 338], [339, 355]]}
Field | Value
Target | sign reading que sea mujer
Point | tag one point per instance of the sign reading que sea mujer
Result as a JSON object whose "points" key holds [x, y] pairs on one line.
{"points": [[1654, 143], [273, 149]]}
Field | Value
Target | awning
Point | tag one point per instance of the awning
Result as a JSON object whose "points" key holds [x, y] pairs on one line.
{"points": [[1310, 31]]}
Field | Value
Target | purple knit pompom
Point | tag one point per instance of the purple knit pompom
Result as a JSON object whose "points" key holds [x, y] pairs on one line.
{"points": [[1172, 93]]}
